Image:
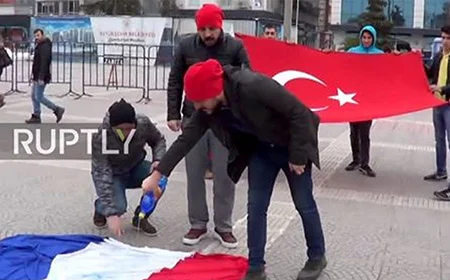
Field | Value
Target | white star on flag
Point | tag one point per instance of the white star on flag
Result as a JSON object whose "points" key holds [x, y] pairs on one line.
{"points": [[344, 98]]}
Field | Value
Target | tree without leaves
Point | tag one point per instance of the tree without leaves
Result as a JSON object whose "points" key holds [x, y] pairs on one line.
{"points": [[168, 7], [437, 21], [375, 15], [351, 42], [397, 16], [114, 7]]}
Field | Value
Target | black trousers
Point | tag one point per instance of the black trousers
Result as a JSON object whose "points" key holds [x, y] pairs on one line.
{"points": [[360, 141]]}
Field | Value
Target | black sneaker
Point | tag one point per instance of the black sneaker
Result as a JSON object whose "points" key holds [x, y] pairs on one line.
{"points": [[312, 269], [352, 166], [443, 195], [99, 220], [366, 170], [255, 274], [59, 112], [435, 177], [34, 119], [144, 226]]}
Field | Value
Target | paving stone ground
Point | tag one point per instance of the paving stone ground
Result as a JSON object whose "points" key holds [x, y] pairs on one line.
{"points": [[383, 228]]}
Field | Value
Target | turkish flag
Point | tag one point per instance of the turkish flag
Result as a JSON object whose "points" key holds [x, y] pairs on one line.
{"points": [[344, 87]]}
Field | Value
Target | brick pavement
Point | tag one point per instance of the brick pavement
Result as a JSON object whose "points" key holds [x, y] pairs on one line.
{"points": [[381, 228]]}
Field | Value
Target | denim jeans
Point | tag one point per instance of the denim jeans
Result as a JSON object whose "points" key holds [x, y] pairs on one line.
{"points": [[263, 169], [441, 121], [37, 97], [132, 180]]}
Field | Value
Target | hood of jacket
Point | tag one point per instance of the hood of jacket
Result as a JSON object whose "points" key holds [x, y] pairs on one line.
{"points": [[372, 48]]}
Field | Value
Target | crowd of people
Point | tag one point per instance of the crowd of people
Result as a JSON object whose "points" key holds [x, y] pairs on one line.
{"points": [[231, 119]]}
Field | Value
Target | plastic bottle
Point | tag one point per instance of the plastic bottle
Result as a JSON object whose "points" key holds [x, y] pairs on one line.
{"points": [[149, 201]]}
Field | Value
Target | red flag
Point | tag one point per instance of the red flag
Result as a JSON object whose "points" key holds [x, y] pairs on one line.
{"points": [[205, 267], [344, 87]]}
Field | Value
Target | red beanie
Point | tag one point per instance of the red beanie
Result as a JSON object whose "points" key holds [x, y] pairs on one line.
{"points": [[203, 80], [209, 15]]}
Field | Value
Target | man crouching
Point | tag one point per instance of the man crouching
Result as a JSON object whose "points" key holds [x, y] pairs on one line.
{"points": [[114, 173]]}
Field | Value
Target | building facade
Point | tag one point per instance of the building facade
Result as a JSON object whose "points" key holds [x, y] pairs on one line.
{"points": [[58, 7], [415, 21]]}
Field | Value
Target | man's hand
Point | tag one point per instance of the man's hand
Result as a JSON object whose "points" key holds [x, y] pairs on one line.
{"points": [[327, 50], [174, 125], [115, 225], [151, 184], [41, 82], [396, 52], [155, 164], [298, 169], [435, 88]]}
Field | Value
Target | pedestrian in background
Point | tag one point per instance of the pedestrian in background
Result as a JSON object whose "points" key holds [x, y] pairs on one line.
{"points": [[41, 76], [5, 61]]}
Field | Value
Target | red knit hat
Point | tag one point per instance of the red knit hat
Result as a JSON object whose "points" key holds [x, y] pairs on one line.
{"points": [[203, 80], [209, 15]]}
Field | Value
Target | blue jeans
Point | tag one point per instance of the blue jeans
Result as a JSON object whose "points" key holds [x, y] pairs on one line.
{"points": [[441, 121], [132, 180], [263, 169], [37, 97]]}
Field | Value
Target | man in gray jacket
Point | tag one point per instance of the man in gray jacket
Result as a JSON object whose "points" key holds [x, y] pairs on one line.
{"points": [[114, 173], [209, 42]]}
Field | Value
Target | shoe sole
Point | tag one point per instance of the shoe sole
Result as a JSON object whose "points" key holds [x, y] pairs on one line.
{"points": [[100, 227], [440, 197], [351, 169], [316, 276], [363, 172], [145, 233], [190, 242], [435, 179], [225, 244]]}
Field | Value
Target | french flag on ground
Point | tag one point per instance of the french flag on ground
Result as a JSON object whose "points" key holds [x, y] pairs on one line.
{"points": [[91, 257]]}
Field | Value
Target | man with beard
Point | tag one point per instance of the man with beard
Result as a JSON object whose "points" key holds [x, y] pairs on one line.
{"points": [[266, 129], [209, 42]]}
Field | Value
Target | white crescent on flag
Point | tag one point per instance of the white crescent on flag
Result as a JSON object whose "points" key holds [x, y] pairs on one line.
{"points": [[286, 76]]}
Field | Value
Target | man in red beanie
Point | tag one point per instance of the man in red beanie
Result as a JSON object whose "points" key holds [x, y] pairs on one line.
{"points": [[265, 129], [210, 41]]}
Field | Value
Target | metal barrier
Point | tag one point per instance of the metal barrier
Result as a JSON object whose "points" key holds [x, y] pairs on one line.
{"points": [[101, 60], [159, 63], [61, 66], [101, 65]]}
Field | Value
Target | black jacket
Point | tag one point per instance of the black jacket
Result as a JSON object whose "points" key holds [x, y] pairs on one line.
{"points": [[191, 49], [264, 107], [433, 74], [42, 60]]}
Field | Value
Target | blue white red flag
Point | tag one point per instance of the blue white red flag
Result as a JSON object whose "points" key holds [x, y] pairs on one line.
{"points": [[90, 257]]}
